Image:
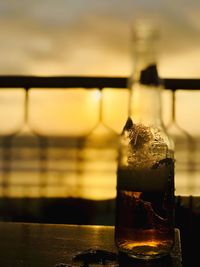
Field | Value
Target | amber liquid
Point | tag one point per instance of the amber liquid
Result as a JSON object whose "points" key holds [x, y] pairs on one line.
{"points": [[144, 222]]}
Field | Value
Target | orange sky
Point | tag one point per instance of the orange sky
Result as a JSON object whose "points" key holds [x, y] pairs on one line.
{"points": [[91, 38]]}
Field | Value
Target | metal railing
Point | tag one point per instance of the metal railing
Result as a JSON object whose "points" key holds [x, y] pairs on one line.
{"points": [[26, 82], [66, 82]]}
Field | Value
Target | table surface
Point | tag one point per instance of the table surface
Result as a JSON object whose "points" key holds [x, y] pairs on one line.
{"points": [[49, 245]]}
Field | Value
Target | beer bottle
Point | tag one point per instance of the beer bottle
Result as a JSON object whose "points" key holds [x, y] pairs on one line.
{"points": [[144, 226]]}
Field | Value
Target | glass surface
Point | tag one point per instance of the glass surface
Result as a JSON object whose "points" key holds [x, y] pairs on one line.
{"points": [[144, 227]]}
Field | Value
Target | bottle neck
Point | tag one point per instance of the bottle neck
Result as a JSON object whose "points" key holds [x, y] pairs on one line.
{"points": [[145, 104], [144, 48]]}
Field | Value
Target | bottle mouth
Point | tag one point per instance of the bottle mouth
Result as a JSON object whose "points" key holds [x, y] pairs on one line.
{"points": [[145, 29]]}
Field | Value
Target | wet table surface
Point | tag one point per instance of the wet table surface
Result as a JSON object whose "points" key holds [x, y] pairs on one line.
{"points": [[51, 245]]}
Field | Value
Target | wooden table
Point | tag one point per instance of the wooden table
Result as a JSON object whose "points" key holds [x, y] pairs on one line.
{"points": [[48, 245]]}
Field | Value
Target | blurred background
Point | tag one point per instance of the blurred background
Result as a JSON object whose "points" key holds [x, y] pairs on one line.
{"points": [[58, 147], [93, 37]]}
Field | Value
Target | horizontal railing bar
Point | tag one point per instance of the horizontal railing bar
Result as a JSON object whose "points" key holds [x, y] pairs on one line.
{"points": [[183, 84], [61, 82], [27, 82]]}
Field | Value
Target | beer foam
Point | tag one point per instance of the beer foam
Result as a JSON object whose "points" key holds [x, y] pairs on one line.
{"points": [[143, 179]]}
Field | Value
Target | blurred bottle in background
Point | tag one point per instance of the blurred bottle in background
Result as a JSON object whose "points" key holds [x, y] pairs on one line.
{"points": [[185, 155]]}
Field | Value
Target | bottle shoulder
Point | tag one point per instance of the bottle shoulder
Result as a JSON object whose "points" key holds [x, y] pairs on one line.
{"points": [[143, 145], [165, 135], [141, 133]]}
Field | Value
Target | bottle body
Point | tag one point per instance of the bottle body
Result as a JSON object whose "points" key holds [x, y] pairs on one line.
{"points": [[145, 197], [144, 226]]}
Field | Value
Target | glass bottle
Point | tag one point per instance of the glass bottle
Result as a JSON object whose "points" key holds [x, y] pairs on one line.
{"points": [[144, 226]]}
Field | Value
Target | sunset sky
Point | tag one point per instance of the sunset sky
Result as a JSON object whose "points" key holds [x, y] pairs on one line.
{"points": [[93, 37], [88, 37]]}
